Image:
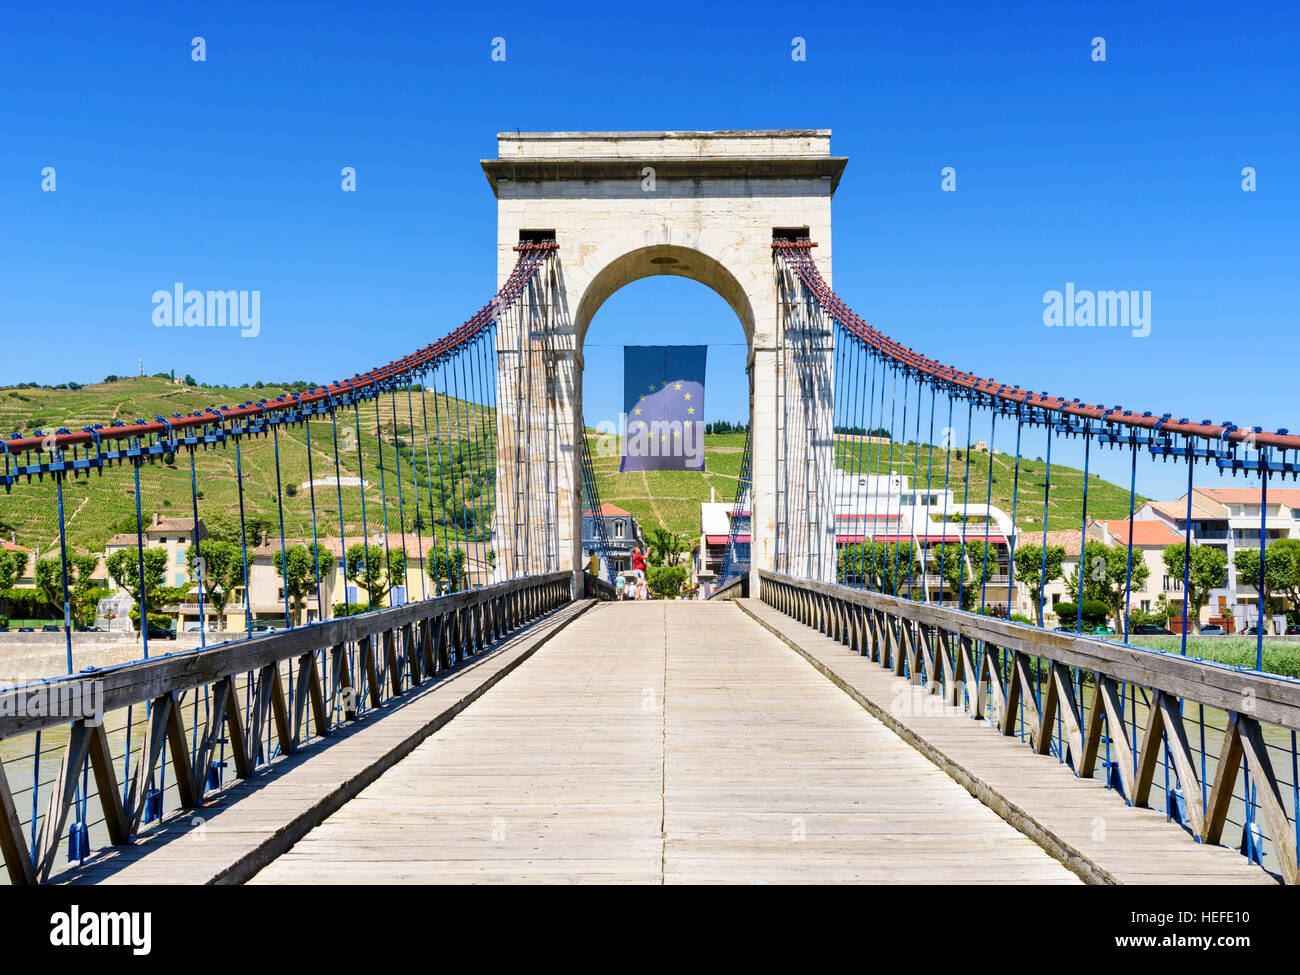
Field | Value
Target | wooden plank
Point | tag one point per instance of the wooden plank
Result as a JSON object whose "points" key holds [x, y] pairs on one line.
{"points": [[1271, 804], [341, 684], [239, 745], [50, 834], [280, 711], [394, 664], [371, 670], [551, 776], [319, 715], [1225, 780], [155, 735], [968, 675], [1032, 719], [1149, 753], [221, 691], [1106, 702], [1184, 761], [1084, 824], [1069, 711], [1007, 720], [13, 844], [181, 759], [306, 664]]}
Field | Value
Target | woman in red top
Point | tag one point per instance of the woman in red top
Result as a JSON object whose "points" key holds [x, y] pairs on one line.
{"points": [[638, 566]]}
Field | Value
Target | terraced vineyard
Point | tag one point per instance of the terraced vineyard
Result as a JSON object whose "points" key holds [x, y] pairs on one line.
{"points": [[98, 506]]}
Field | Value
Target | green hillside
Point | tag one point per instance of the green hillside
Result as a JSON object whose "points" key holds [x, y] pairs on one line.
{"points": [[98, 507]]}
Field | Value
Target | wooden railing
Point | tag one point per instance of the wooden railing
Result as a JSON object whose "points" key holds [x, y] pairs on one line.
{"points": [[371, 658], [1023, 679]]}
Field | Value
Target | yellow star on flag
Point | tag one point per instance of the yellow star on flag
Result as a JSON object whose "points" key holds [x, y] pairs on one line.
{"points": [[688, 395], [638, 411], [690, 409], [678, 386]]}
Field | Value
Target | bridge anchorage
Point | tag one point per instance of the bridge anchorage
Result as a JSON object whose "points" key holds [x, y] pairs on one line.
{"points": [[615, 743]]}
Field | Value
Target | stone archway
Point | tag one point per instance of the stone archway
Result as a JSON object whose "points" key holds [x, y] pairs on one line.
{"points": [[627, 205]]}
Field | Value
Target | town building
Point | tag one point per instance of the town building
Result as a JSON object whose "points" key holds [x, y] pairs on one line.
{"points": [[622, 534], [1228, 518]]}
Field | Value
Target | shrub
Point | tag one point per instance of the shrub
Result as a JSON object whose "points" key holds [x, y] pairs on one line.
{"points": [[27, 604], [155, 619], [1137, 616], [1095, 612], [665, 581], [349, 609]]}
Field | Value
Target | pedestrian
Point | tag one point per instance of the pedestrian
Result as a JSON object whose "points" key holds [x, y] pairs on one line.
{"points": [[620, 586], [638, 567]]}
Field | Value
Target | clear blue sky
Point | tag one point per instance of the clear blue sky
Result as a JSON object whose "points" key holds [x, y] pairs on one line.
{"points": [[1124, 174]]}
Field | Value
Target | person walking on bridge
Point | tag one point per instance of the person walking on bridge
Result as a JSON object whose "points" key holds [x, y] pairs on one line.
{"points": [[638, 566]]}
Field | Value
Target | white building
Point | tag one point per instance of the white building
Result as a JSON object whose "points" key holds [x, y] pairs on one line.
{"points": [[887, 508]]}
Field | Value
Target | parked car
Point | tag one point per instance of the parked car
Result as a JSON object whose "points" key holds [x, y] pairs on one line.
{"points": [[26, 629], [51, 628], [1212, 629], [1149, 629], [1292, 630], [161, 632], [1251, 630]]}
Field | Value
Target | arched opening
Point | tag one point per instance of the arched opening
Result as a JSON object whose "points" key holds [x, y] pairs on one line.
{"points": [[680, 519]]}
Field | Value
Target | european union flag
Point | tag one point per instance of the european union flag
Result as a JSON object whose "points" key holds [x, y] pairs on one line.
{"points": [[663, 406]]}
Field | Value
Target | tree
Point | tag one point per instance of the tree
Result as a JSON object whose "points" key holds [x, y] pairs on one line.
{"points": [[1209, 565], [447, 571], [1031, 574], [1106, 576], [953, 572], [12, 566], [878, 565], [49, 583], [300, 566], [665, 581], [378, 575], [1119, 584], [1281, 570], [983, 559], [124, 569], [223, 572], [665, 548]]}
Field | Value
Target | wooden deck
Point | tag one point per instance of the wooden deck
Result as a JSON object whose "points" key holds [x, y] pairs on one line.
{"points": [[1081, 822], [240, 828], [665, 743]]}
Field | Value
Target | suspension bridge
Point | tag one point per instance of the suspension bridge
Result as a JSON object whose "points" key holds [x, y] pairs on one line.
{"points": [[831, 714]]}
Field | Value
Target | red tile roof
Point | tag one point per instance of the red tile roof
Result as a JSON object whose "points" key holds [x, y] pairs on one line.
{"points": [[1287, 496], [1149, 532]]}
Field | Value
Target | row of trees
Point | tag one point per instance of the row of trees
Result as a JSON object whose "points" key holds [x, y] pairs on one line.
{"points": [[895, 568], [143, 576], [1107, 579], [371, 569]]}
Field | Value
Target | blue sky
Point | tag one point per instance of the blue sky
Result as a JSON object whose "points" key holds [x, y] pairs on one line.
{"points": [[1115, 175]]}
